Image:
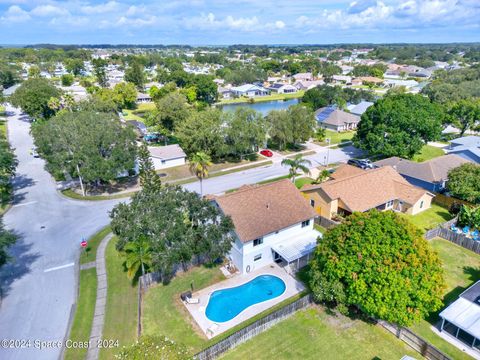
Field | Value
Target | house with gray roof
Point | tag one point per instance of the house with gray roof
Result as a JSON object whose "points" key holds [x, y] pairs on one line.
{"points": [[468, 147], [249, 90], [360, 108], [337, 120], [167, 156], [430, 175], [280, 88]]}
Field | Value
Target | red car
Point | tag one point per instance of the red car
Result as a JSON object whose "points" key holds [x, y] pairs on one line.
{"points": [[266, 152]]}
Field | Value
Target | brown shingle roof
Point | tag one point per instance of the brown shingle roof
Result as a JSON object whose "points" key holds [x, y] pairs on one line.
{"points": [[434, 170], [370, 189], [262, 209], [346, 170]]}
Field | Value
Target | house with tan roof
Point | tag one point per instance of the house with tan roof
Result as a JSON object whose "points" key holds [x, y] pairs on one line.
{"points": [[273, 223], [431, 175], [353, 189], [335, 119]]}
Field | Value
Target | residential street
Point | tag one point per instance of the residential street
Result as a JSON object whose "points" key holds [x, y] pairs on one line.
{"points": [[39, 286]]}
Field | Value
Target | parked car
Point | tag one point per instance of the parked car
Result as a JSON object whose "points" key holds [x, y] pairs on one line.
{"points": [[361, 163], [266, 152], [152, 137], [34, 153]]}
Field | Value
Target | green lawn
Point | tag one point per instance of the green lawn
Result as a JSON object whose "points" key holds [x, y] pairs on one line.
{"points": [[272, 97], [337, 137], [461, 270], [428, 152], [3, 128], [130, 115], [164, 314], [314, 334], [430, 218], [121, 310], [82, 322], [303, 181], [90, 253]]}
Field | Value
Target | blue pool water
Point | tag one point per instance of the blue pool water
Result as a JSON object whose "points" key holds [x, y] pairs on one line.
{"points": [[225, 304]]}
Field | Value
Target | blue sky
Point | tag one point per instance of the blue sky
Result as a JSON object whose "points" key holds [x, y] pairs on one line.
{"points": [[199, 22]]}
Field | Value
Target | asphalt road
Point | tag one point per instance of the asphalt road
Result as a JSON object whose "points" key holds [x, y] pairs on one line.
{"points": [[39, 285]]}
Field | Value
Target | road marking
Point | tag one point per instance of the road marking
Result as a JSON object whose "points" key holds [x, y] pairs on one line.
{"points": [[27, 203], [59, 267]]}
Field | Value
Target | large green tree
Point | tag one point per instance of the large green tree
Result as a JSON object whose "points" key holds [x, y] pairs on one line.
{"points": [[464, 182], [202, 131], [171, 111], [379, 262], [135, 74], [245, 131], [74, 66], [125, 95], [465, 114], [399, 125], [32, 97], [93, 147], [149, 179], [178, 225], [8, 163], [100, 72]]}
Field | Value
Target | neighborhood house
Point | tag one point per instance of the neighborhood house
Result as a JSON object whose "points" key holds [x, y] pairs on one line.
{"points": [[334, 119], [468, 147], [167, 156], [249, 90], [353, 189], [431, 175], [273, 223]]}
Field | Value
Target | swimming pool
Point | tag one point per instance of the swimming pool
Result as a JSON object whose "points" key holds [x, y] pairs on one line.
{"points": [[225, 304]]}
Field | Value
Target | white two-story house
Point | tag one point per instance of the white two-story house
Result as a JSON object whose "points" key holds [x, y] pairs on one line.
{"points": [[273, 223]]}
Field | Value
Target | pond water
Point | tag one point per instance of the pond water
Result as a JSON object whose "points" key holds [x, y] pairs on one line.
{"points": [[263, 107]]}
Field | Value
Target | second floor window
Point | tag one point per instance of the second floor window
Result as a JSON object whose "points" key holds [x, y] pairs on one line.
{"points": [[258, 241], [305, 223]]}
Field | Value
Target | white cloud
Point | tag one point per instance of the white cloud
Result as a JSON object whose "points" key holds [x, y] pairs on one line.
{"points": [[107, 7], [245, 24], [49, 10], [15, 14]]}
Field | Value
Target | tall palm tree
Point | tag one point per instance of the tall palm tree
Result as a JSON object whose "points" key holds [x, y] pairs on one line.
{"points": [[137, 255], [199, 164], [295, 164]]}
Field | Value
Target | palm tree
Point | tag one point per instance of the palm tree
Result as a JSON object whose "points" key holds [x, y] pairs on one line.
{"points": [[199, 164], [137, 255], [295, 164], [322, 176]]}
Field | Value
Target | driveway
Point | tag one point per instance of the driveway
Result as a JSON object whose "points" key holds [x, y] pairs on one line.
{"points": [[39, 285]]}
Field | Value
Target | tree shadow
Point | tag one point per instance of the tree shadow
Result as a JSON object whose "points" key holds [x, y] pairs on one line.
{"points": [[18, 266], [25, 118], [22, 181]]}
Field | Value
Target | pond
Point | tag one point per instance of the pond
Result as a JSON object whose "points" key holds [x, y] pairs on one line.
{"points": [[263, 107]]}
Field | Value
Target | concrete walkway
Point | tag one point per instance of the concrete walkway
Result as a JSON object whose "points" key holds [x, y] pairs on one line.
{"points": [[101, 302]]}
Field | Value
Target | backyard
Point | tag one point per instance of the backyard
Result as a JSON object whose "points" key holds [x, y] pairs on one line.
{"points": [[461, 270], [428, 152], [430, 218], [271, 97], [315, 331]]}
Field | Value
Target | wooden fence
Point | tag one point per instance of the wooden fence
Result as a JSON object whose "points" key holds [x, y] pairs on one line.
{"points": [[326, 223], [427, 350], [253, 330], [444, 232], [447, 201]]}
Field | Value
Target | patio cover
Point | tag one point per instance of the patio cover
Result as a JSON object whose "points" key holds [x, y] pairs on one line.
{"points": [[296, 247], [465, 315]]}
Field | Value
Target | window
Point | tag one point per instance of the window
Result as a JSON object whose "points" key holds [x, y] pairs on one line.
{"points": [[257, 257], [421, 204], [305, 223], [312, 203], [258, 241], [389, 204]]}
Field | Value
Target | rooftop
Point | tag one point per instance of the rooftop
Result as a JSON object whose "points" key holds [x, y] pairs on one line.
{"points": [[369, 189], [434, 170], [167, 152], [473, 141], [258, 210], [333, 116]]}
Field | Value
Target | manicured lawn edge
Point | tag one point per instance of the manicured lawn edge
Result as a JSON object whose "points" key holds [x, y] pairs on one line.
{"points": [[82, 322], [90, 254]]}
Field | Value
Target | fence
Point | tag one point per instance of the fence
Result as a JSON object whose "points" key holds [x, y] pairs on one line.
{"points": [[326, 223], [447, 201], [253, 330], [427, 350], [444, 232]]}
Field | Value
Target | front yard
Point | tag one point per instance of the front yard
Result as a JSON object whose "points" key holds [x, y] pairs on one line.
{"points": [[337, 137]]}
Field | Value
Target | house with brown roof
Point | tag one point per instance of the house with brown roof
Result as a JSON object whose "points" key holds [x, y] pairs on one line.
{"points": [[431, 175], [273, 223], [353, 189]]}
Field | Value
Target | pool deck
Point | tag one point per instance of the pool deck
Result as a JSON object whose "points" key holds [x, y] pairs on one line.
{"points": [[211, 328]]}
